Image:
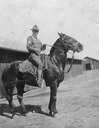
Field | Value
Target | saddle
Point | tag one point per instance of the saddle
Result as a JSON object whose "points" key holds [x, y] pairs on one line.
{"points": [[27, 67]]}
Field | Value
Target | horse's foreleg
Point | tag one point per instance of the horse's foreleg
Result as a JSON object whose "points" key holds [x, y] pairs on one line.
{"points": [[20, 88], [53, 98]]}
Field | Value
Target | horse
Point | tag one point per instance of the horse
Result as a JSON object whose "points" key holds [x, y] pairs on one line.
{"points": [[53, 74]]}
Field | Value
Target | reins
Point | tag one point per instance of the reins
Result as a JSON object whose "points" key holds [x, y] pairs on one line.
{"points": [[68, 52], [57, 47], [71, 63]]}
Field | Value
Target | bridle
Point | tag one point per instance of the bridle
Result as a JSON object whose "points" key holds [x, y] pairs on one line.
{"points": [[71, 53], [67, 51]]}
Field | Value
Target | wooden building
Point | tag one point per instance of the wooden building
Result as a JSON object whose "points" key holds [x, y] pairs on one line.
{"points": [[90, 63], [77, 68]]}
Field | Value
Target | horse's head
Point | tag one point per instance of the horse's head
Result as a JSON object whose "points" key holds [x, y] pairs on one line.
{"points": [[70, 43]]}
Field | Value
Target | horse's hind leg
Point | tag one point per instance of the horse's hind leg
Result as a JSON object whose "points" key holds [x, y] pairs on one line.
{"points": [[20, 88], [9, 91]]}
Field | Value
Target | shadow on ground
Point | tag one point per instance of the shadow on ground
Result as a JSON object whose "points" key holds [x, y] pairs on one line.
{"points": [[5, 110]]}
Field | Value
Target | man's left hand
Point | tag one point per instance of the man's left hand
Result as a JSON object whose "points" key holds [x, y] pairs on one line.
{"points": [[43, 47]]}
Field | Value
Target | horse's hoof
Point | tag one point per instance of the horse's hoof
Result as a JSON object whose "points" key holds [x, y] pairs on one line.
{"points": [[24, 114], [33, 111], [25, 111], [53, 113], [13, 114]]}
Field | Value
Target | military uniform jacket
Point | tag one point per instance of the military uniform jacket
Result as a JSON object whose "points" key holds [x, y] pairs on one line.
{"points": [[34, 45]]}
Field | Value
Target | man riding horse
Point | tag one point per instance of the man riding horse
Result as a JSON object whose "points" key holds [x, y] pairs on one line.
{"points": [[35, 47], [53, 75]]}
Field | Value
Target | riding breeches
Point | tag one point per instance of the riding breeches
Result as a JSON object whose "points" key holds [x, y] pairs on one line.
{"points": [[36, 60]]}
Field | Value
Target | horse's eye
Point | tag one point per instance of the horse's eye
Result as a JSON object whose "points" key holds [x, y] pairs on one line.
{"points": [[61, 52]]}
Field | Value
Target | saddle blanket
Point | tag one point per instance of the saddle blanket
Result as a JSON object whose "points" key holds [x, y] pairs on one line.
{"points": [[27, 67]]}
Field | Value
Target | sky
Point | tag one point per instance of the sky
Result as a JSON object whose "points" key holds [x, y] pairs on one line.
{"points": [[76, 18]]}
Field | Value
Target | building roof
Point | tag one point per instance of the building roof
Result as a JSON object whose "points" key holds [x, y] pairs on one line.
{"points": [[12, 45], [91, 58]]}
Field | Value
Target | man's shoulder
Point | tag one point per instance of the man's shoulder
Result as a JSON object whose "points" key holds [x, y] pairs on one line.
{"points": [[30, 36]]}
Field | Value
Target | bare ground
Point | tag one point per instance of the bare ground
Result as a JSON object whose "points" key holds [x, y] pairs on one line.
{"points": [[77, 104]]}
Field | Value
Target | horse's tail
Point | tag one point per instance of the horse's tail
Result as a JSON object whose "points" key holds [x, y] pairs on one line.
{"points": [[8, 74]]}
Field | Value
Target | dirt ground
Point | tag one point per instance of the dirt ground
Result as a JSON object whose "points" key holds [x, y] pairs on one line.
{"points": [[77, 104]]}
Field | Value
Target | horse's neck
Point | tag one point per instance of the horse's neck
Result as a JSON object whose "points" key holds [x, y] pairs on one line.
{"points": [[58, 54], [60, 61]]}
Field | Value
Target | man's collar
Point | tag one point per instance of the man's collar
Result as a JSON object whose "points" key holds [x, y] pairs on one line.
{"points": [[34, 36]]}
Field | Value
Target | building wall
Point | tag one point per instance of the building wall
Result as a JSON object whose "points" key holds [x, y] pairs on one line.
{"points": [[94, 64], [77, 69]]}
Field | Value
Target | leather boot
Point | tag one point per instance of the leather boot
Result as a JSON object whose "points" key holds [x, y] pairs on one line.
{"points": [[39, 80]]}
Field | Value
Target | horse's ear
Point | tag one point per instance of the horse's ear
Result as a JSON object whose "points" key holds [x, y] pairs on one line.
{"points": [[60, 34]]}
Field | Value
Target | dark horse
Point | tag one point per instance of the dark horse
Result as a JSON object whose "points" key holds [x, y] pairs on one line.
{"points": [[53, 74]]}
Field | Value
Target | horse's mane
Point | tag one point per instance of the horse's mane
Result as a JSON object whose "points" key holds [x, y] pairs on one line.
{"points": [[55, 45]]}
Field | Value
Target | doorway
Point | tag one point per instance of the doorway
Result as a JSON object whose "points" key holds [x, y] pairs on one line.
{"points": [[88, 66]]}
